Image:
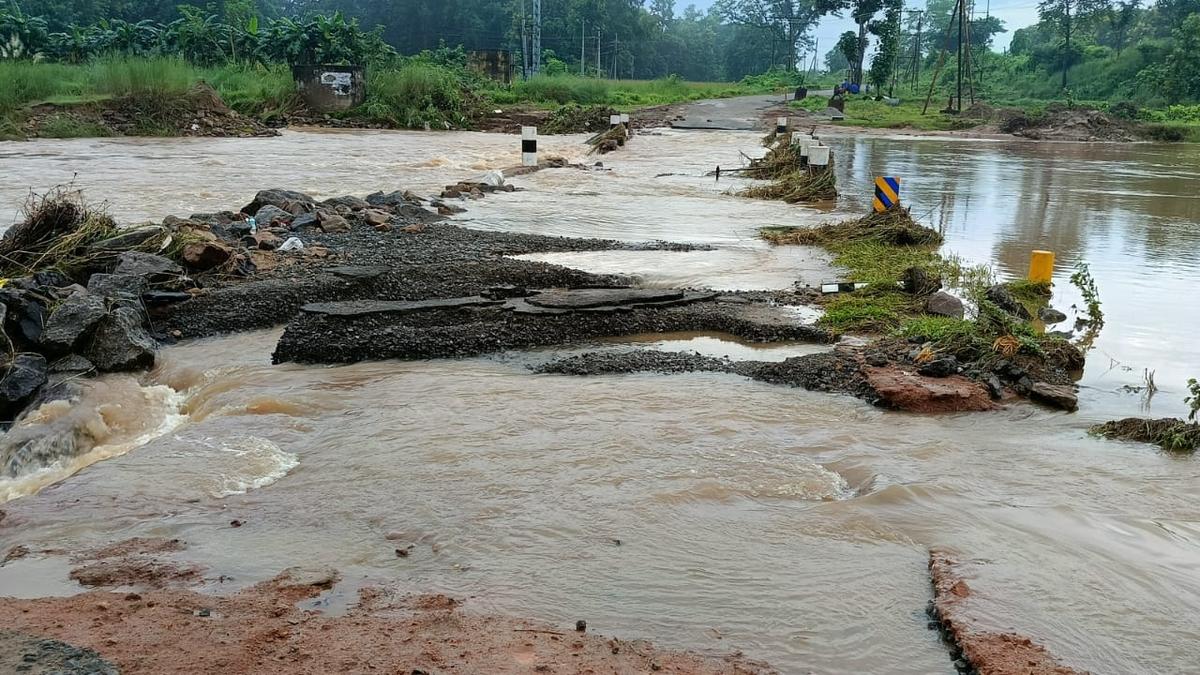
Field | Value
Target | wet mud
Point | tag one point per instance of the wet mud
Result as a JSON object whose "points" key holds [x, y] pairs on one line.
{"points": [[976, 651], [263, 629]]}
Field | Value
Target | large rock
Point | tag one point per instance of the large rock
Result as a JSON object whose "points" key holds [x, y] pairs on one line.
{"points": [[1055, 395], [205, 255], [23, 316], [333, 223], [918, 281], [375, 217], [944, 304], [416, 214], [25, 375], [121, 343], [1051, 316], [73, 322], [271, 214], [943, 367], [306, 221], [129, 239], [349, 201], [283, 199], [124, 289], [154, 268], [1005, 300]]}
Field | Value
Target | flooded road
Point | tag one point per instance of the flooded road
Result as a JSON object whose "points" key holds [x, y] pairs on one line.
{"points": [[791, 525]]}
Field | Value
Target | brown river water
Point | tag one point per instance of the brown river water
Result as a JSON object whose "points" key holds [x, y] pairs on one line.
{"points": [[791, 525]]}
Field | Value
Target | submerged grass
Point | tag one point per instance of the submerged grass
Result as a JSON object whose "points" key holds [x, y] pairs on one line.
{"points": [[867, 112]]}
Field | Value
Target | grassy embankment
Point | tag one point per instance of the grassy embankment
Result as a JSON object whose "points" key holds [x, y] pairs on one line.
{"points": [[881, 250], [1171, 123], [409, 93]]}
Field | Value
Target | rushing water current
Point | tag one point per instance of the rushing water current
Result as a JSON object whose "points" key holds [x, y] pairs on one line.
{"points": [[791, 525]]}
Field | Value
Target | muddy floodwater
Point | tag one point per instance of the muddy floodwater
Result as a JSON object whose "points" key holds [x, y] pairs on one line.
{"points": [[702, 511]]}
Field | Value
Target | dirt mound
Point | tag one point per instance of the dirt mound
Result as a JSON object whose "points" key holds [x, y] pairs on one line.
{"points": [[198, 112], [135, 562], [1168, 433], [1059, 123], [262, 630]]}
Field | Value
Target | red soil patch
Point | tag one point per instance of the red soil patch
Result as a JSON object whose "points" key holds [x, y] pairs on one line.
{"points": [[905, 390], [988, 652], [261, 630]]}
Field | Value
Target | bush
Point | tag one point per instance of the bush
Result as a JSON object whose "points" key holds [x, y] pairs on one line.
{"points": [[562, 89], [414, 95], [133, 76]]}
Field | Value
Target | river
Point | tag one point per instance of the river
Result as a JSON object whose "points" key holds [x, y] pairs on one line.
{"points": [[791, 525]]}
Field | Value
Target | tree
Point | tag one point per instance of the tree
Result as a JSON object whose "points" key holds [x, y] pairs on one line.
{"points": [[1183, 65], [789, 20], [862, 11], [1121, 20], [888, 32], [1068, 15], [848, 47]]}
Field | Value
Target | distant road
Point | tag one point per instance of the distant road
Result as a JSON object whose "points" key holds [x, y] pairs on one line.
{"points": [[742, 113]]}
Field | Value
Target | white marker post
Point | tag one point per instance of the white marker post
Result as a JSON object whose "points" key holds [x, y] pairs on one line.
{"points": [[818, 157], [529, 146], [781, 125], [625, 121], [614, 121]]}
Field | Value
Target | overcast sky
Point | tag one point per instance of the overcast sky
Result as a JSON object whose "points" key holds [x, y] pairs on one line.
{"points": [[1015, 14]]}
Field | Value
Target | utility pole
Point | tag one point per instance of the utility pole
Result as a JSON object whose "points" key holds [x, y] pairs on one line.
{"points": [[917, 53], [613, 66], [582, 52], [537, 37], [599, 71]]}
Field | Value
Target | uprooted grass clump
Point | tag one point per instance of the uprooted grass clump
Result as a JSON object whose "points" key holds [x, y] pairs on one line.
{"points": [[801, 185], [60, 231], [780, 160], [1171, 434], [894, 227]]}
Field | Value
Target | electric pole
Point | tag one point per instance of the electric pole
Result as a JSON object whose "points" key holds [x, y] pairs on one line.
{"points": [[599, 71], [582, 52], [537, 36]]}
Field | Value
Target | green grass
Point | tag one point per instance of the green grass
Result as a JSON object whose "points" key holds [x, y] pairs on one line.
{"points": [[865, 112], [413, 95], [264, 92], [66, 126], [552, 91], [132, 76]]}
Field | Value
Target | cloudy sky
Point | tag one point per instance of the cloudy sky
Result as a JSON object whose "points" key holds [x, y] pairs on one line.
{"points": [[1015, 14]]}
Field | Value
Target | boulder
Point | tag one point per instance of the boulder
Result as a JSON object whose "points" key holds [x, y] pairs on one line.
{"points": [[267, 241], [218, 218], [349, 201], [917, 281], [943, 367], [306, 221], [154, 268], [394, 198], [271, 214], [72, 363], [995, 389], [162, 298], [375, 218], [416, 214], [334, 223], [1055, 396], [277, 197], [944, 304], [23, 315], [1005, 300], [25, 375], [1051, 316], [125, 289], [205, 255], [121, 343], [135, 238], [73, 322]]}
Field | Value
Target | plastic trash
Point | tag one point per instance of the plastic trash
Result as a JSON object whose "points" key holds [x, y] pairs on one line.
{"points": [[494, 178], [292, 244], [253, 225]]}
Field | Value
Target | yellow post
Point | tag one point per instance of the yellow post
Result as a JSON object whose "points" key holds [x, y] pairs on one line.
{"points": [[1041, 267]]}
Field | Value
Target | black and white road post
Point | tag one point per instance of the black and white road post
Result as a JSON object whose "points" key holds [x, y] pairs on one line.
{"points": [[529, 146]]}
